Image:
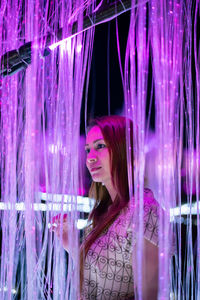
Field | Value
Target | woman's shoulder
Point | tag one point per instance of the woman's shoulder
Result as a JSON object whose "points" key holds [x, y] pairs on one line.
{"points": [[150, 215], [150, 208], [150, 203]]}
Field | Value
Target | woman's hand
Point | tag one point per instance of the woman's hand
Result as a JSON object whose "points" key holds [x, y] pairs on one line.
{"points": [[60, 227]]}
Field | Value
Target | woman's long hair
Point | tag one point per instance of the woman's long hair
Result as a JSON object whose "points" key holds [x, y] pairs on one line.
{"points": [[113, 129]]}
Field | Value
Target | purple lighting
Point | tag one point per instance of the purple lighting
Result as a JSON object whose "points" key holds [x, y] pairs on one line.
{"points": [[40, 145]]}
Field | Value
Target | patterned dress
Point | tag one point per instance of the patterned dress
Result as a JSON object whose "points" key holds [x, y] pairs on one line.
{"points": [[108, 273]]}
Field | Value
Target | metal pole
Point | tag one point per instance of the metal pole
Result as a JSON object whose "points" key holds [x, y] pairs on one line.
{"points": [[16, 60]]}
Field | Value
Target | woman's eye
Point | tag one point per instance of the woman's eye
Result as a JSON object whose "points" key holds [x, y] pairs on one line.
{"points": [[100, 146], [87, 150]]}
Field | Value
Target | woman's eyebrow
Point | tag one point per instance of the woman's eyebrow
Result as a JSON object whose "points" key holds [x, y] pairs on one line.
{"points": [[94, 141]]}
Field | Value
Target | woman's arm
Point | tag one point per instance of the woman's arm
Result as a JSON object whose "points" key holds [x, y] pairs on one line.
{"points": [[149, 270]]}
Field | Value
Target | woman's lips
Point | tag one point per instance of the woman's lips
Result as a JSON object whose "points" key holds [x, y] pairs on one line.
{"points": [[92, 170]]}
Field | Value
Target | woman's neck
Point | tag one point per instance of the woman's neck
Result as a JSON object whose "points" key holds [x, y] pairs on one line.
{"points": [[111, 190]]}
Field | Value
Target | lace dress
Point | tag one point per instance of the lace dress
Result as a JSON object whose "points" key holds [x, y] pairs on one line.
{"points": [[108, 273]]}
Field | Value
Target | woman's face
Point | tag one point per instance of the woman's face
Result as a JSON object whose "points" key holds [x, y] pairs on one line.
{"points": [[98, 157]]}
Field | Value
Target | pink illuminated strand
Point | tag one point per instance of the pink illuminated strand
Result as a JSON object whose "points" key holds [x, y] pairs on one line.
{"points": [[137, 54], [39, 138], [197, 160], [108, 67], [8, 142], [166, 29], [40, 120], [166, 44], [190, 158], [119, 54]]}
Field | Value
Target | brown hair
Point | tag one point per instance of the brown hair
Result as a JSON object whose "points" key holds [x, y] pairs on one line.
{"points": [[113, 129]]}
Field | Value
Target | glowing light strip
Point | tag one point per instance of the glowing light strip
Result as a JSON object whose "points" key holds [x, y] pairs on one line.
{"points": [[185, 209], [84, 204], [93, 24], [55, 207], [45, 207], [55, 45], [57, 203], [58, 198]]}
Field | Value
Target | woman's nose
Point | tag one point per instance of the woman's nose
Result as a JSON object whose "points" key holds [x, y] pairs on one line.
{"points": [[91, 157]]}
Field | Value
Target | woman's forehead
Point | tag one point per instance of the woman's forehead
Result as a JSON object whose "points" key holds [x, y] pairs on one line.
{"points": [[94, 134]]}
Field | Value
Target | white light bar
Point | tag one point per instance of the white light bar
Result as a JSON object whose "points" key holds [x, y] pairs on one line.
{"points": [[64, 198], [55, 202], [82, 204], [55, 207], [94, 24], [185, 209], [66, 203], [21, 206]]}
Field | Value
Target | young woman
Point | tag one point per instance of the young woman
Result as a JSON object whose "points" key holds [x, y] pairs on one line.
{"points": [[107, 264]]}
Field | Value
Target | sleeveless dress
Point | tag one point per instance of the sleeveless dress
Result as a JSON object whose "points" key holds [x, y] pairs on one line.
{"points": [[108, 273]]}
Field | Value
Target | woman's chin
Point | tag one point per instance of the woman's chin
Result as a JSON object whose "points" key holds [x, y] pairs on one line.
{"points": [[96, 178]]}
